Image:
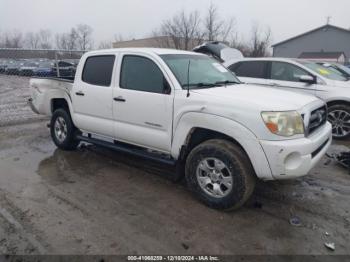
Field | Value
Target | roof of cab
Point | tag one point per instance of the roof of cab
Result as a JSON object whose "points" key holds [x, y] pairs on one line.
{"points": [[158, 51]]}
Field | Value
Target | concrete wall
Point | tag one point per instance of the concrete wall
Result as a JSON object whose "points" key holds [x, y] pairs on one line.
{"points": [[328, 39], [16, 53]]}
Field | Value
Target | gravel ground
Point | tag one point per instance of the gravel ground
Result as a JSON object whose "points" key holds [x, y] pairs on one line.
{"points": [[94, 201], [14, 94]]}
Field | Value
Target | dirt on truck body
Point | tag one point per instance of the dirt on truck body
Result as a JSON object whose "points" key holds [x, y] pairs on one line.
{"points": [[96, 201]]}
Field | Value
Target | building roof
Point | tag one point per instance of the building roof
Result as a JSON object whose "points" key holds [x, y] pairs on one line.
{"points": [[324, 55], [312, 31]]}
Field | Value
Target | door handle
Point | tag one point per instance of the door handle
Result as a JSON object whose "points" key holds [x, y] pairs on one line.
{"points": [[80, 93], [119, 99]]}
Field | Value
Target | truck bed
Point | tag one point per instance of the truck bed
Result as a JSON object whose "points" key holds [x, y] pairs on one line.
{"points": [[43, 90]]}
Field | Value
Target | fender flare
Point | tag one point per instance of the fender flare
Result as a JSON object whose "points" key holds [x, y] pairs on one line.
{"points": [[241, 134], [60, 94]]}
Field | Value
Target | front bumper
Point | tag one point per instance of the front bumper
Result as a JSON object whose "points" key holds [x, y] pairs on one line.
{"points": [[294, 158]]}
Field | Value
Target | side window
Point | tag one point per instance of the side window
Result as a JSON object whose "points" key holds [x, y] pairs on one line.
{"points": [[286, 72], [98, 70], [254, 69], [234, 67], [142, 74]]}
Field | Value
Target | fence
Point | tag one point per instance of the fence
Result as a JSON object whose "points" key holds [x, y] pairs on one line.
{"points": [[41, 63]]}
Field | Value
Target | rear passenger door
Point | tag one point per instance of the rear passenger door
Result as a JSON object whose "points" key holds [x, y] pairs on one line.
{"points": [[143, 106], [286, 75], [93, 96], [252, 72]]}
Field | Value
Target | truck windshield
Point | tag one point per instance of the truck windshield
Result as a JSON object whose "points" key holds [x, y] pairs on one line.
{"points": [[204, 72], [324, 71]]}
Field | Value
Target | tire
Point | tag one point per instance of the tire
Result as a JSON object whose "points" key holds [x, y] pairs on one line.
{"points": [[238, 170], [63, 131], [339, 116]]}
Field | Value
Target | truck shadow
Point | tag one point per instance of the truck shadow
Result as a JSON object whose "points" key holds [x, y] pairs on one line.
{"points": [[88, 160]]}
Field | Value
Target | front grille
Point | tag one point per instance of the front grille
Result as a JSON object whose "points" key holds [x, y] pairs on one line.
{"points": [[318, 118]]}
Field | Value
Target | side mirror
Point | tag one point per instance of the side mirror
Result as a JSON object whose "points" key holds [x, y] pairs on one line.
{"points": [[307, 79]]}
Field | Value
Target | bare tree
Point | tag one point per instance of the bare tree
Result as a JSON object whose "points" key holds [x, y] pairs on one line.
{"points": [[32, 40], [105, 45], [118, 38], [84, 39], [73, 39], [215, 28], [67, 41], [237, 42], [45, 38], [41, 39], [182, 31], [13, 39], [62, 41], [260, 41]]}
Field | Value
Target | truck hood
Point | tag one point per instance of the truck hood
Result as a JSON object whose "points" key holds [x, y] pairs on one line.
{"points": [[263, 99]]}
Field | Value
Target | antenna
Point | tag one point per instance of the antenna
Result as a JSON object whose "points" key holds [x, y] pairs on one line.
{"points": [[188, 77], [329, 20]]}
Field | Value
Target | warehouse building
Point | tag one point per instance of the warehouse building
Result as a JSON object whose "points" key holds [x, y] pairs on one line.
{"points": [[329, 43]]}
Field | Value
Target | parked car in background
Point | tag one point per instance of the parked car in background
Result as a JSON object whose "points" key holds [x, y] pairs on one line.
{"points": [[27, 69], [303, 77], [185, 109], [3, 66], [44, 69], [337, 68], [219, 51], [13, 67], [65, 69]]}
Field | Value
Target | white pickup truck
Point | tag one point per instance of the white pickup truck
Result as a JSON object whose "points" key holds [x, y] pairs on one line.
{"points": [[185, 109]]}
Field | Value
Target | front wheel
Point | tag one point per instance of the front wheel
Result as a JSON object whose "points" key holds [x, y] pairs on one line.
{"points": [[339, 117], [63, 131], [220, 174]]}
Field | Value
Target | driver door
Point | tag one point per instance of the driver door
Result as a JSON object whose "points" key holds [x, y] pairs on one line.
{"points": [[143, 104]]}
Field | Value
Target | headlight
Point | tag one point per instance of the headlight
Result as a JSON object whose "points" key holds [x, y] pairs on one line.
{"points": [[287, 123]]}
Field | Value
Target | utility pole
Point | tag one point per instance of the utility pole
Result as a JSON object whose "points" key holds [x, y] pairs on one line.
{"points": [[328, 19]]}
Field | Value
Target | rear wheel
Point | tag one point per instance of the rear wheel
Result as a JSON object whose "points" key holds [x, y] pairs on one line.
{"points": [[339, 117], [63, 131], [220, 174]]}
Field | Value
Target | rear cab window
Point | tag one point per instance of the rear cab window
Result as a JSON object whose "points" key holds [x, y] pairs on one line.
{"points": [[98, 70], [253, 69]]}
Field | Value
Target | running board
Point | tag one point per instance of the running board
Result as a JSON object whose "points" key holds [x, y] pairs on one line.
{"points": [[124, 149]]}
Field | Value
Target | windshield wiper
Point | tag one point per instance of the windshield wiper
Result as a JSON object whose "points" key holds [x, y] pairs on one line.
{"points": [[226, 82], [204, 85]]}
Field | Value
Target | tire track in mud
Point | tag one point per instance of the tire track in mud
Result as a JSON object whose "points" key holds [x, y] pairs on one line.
{"points": [[20, 231], [91, 212]]}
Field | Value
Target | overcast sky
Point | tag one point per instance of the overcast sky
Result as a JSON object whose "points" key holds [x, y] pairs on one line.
{"points": [[137, 18]]}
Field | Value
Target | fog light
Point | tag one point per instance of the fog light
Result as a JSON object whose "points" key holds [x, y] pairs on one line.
{"points": [[293, 161]]}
